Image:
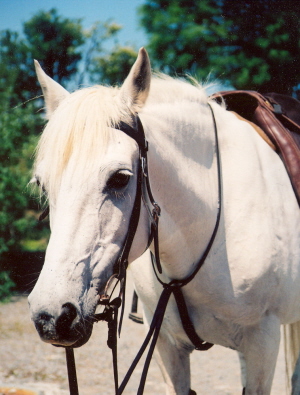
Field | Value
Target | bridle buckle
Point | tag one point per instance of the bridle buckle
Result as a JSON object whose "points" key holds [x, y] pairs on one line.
{"points": [[144, 166]]}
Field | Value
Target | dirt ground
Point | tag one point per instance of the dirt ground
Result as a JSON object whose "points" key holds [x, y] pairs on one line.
{"points": [[28, 363]]}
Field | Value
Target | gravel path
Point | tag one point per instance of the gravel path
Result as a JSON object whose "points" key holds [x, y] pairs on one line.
{"points": [[26, 362]]}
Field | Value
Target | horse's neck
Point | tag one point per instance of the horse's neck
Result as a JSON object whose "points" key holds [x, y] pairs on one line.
{"points": [[183, 173]]}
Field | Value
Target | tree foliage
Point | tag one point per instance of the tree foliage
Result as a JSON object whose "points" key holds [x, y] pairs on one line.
{"points": [[113, 68], [250, 45], [51, 39], [19, 128], [100, 65], [55, 41]]}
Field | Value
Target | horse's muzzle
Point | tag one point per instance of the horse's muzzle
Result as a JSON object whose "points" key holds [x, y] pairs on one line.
{"points": [[66, 330]]}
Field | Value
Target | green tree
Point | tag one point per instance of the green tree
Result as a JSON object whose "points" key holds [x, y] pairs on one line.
{"points": [[19, 127], [100, 65], [13, 68], [250, 45], [56, 42], [113, 68]]}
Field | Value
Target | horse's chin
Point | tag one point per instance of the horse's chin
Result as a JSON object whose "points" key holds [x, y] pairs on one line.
{"points": [[66, 344], [80, 342]]}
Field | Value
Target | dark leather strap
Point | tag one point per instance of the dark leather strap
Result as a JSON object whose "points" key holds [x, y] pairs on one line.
{"points": [[71, 367], [187, 324], [152, 334], [201, 261], [143, 187], [136, 133]]}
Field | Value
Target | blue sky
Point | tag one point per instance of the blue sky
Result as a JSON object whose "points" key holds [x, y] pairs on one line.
{"points": [[14, 12]]}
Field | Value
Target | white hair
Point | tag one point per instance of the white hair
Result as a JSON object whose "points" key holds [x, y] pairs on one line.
{"points": [[80, 126]]}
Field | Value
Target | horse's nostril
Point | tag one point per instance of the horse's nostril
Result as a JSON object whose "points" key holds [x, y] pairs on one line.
{"points": [[66, 318], [70, 310], [43, 322], [44, 317]]}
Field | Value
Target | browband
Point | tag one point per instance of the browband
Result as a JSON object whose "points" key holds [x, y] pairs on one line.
{"points": [[136, 134]]}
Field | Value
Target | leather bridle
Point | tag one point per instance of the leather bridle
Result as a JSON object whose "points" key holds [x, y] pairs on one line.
{"points": [[110, 313]]}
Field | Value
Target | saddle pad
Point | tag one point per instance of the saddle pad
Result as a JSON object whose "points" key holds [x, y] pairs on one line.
{"points": [[269, 115]]}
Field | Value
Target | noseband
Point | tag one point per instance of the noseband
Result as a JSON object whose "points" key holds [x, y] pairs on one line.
{"points": [[110, 313]]}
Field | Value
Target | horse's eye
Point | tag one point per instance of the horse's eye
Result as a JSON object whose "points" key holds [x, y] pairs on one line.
{"points": [[118, 180]]}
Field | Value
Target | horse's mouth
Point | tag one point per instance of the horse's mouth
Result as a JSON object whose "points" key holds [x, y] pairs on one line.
{"points": [[69, 341], [70, 344]]}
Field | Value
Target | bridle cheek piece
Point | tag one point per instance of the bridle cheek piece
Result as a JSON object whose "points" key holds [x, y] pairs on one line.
{"points": [[111, 307]]}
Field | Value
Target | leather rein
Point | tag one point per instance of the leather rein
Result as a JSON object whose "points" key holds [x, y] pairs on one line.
{"points": [[110, 312]]}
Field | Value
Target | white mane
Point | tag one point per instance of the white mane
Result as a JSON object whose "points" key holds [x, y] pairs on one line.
{"points": [[79, 127], [165, 89]]}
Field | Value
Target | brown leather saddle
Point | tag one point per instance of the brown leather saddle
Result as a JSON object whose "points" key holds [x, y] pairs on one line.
{"points": [[279, 118]]}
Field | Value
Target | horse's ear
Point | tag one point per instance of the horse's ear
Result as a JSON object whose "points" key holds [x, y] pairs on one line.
{"points": [[52, 91], [136, 86]]}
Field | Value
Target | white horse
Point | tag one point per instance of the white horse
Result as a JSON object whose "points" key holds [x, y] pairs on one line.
{"points": [[250, 282]]}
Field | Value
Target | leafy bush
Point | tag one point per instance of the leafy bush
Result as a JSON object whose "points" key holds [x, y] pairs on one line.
{"points": [[6, 286]]}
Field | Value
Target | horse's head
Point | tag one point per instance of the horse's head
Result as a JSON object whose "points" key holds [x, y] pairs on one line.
{"points": [[88, 169]]}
